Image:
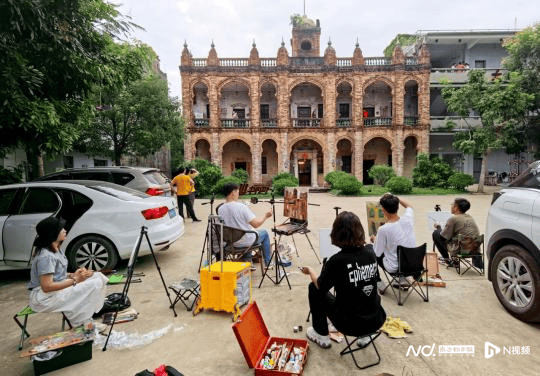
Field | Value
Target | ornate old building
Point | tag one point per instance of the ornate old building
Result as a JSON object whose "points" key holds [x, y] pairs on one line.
{"points": [[305, 113]]}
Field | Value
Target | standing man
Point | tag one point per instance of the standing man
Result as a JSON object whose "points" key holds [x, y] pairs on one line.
{"points": [[396, 231], [182, 185], [462, 224], [236, 214]]}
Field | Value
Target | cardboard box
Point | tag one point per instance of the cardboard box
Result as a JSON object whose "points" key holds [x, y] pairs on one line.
{"points": [[69, 355], [255, 341]]}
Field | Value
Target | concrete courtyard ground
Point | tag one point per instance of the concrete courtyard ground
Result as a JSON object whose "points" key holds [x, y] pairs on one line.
{"points": [[465, 313]]}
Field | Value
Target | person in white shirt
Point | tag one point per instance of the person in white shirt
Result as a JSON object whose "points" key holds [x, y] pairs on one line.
{"points": [[396, 231]]}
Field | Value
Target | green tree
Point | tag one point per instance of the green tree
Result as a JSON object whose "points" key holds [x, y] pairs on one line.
{"points": [[501, 105], [136, 114], [50, 56]]}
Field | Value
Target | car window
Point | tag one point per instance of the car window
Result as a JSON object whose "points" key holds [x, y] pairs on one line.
{"points": [[155, 177], [6, 198], [92, 175], [122, 193], [39, 200], [122, 178], [530, 178]]}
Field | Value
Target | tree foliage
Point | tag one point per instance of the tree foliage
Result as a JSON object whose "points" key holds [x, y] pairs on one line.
{"points": [[50, 56], [135, 114], [431, 172], [501, 105], [381, 173]]}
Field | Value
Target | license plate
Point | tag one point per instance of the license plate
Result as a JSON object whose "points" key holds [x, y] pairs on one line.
{"points": [[172, 213]]}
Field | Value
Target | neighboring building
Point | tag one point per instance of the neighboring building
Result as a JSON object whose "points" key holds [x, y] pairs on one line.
{"points": [[453, 53], [305, 113]]}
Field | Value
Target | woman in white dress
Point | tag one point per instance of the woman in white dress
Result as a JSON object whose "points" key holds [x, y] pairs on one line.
{"points": [[79, 295]]}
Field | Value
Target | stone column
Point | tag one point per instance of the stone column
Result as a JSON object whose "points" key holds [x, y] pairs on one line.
{"points": [[397, 152], [330, 160], [282, 102], [213, 99], [357, 102], [255, 98], [283, 153], [398, 108], [216, 150], [329, 101], [256, 158], [359, 155], [295, 165], [189, 149], [314, 169]]}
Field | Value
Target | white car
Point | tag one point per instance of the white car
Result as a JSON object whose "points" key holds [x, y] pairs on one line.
{"points": [[103, 221], [513, 245]]}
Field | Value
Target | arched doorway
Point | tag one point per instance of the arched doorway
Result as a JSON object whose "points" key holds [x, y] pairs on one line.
{"points": [[236, 154], [344, 156], [377, 151], [269, 160], [307, 163], [234, 104], [411, 103], [409, 155], [202, 150], [344, 105], [268, 110], [201, 105], [377, 102], [306, 106]]}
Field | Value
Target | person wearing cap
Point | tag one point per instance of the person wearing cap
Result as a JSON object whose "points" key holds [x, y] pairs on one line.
{"points": [[52, 289]]}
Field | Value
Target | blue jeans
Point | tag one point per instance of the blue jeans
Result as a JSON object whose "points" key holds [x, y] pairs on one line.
{"points": [[264, 239]]}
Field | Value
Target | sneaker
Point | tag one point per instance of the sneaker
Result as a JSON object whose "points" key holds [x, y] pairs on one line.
{"points": [[322, 341], [381, 287], [363, 341]]}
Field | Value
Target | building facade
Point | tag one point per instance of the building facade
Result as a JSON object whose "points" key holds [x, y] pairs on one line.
{"points": [[307, 113]]}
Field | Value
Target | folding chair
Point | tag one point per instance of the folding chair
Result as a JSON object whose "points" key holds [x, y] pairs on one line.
{"points": [[184, 290], [410, 264], [349, 350], [231, 235], [468, 259], [27, 311]]}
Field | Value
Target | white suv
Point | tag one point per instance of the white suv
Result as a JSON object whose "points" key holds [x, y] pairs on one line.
{"points": [[513, 245]]}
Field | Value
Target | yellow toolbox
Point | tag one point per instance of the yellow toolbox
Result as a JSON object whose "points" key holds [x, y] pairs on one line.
{"points": [[225, 286]]}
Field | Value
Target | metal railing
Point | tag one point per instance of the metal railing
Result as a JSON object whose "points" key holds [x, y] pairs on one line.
{"points": [[306, 123], [410, 120], [343, 123], [201, 123], [234, 123], [269, 123], [377, 121]]}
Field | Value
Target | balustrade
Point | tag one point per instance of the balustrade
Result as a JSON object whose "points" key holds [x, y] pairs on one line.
{"points": [[377, 61], [233, 62], [306, 123], [377, 121], [201, 123], [269, 123], [234, 123], [199, 62]]}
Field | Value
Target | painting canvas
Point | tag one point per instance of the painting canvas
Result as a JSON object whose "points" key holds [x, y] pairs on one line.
{"points": [[295, 203], [375, 217]]}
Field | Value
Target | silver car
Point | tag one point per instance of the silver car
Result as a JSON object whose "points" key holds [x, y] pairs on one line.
{"points": [[103, 221], [513, 245], [145, 179]]}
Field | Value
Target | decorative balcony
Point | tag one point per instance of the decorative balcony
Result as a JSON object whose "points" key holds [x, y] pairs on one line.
{"points": [[201, 123], [269, 123], [234, 123], [306, 123], [377, 122], [411, 120], [343, 123]]}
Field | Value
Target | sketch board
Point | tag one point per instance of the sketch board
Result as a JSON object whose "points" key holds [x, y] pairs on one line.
{"points": [[326, 248], [375, 217], [437, 217]]}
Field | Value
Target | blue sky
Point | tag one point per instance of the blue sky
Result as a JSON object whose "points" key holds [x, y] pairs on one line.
{"points": [[234, 24]]}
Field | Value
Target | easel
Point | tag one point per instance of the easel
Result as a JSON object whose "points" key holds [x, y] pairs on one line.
{"points": [[275, 254], [208, 228], [129, 276]]}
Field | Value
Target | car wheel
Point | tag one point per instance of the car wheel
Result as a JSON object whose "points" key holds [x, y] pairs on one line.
{"points": [[92, 252], [516, 280]]}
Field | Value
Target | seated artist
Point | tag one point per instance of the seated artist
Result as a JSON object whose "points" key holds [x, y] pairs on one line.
{"points": [[236, 214], [79, 295], [355, 309], [460, 223]]}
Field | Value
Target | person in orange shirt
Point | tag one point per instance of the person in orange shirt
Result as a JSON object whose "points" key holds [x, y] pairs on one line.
{"points": [[182, 184]]}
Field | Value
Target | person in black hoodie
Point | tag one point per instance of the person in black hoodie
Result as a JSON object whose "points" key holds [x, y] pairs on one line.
{"points": [[355, 309]]}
